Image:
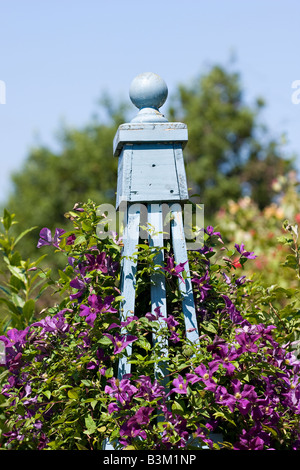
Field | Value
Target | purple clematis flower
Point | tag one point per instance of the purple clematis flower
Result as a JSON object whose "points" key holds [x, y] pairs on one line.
{"points": [[203, 285], [173, 269], [46, 237], [243, 397], [95, 307], [122, 390], [244, 253], [210, 231], [102, 263], [207, 375], [147, 390], [120, 342], [154, 316], [179, 386], [172, 323], [15, 337], [132, 427], [234, 314]]}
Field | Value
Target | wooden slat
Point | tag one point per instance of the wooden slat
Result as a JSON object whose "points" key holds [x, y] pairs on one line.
{"points": [[158, 288], [185, 286], [128, 281]]}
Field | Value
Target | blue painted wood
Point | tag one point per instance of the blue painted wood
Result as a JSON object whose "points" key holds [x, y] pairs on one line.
{"points": [[141, 133], [148, 92], [151, 172], [185, 285], [158, 287], [128, 280]]}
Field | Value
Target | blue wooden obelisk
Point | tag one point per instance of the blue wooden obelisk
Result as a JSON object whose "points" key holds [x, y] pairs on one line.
{"points": [[151, 173]]}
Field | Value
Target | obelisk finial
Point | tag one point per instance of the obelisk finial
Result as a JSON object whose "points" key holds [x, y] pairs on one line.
{"points": [[148, 92]]}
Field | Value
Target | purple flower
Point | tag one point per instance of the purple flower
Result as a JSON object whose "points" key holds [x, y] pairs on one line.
{"points": [[154, 316], [46, 237], [15, 337], [120, 342], [248, 442], [53, 324], [80, 285], [247, 342], [121, 390], [96, 306], [234, 314], [132, 427], [147, 390], [172, 323], [206, 375], [102, 263], [223, 397], [203, 285], [243, 253], [223, 355], [179, 385], [112, 407], [173, 269], [210, 231], [243, 397], [70, 239]]}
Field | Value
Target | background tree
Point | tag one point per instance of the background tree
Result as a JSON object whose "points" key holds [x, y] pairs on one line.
{"points": [[228, 153], [50, 184]]}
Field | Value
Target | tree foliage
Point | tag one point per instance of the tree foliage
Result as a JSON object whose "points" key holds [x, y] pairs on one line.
{"points": [[228, 153], [236, 387]]}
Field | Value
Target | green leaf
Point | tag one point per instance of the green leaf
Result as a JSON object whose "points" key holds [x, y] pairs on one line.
{"points": [[28, 309], [90, 425], [104, 340], [87, 225], [177, 408], [63, 275], [47, 393], [209, 327], [19, 237], [79, 240], [7, 220], [109, 372], [17, 272], [73, 394], [10, 306], [80, 446]]}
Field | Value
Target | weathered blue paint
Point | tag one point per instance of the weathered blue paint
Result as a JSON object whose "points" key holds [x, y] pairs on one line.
{"points": [[185, 285], [158, 287], [159, 133], [151, 172], [148, 92], [128, 283]]}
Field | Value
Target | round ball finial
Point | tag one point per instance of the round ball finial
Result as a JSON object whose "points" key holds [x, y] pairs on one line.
{"points": [[148, 92]]}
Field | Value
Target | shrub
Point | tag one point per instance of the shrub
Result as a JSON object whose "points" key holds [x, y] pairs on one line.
{"points": [[61, 388]]}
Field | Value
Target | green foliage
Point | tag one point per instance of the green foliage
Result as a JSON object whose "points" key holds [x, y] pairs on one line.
{"points": [[265, 232], [50, 183], [228, 152], [22, 281], [61, 389]]}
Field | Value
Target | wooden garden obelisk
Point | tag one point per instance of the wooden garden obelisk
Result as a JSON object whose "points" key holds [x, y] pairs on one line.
{"points": [[151, 173]]}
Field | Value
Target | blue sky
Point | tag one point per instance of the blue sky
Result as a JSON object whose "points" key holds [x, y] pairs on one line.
{"points": [[57, 58]]}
